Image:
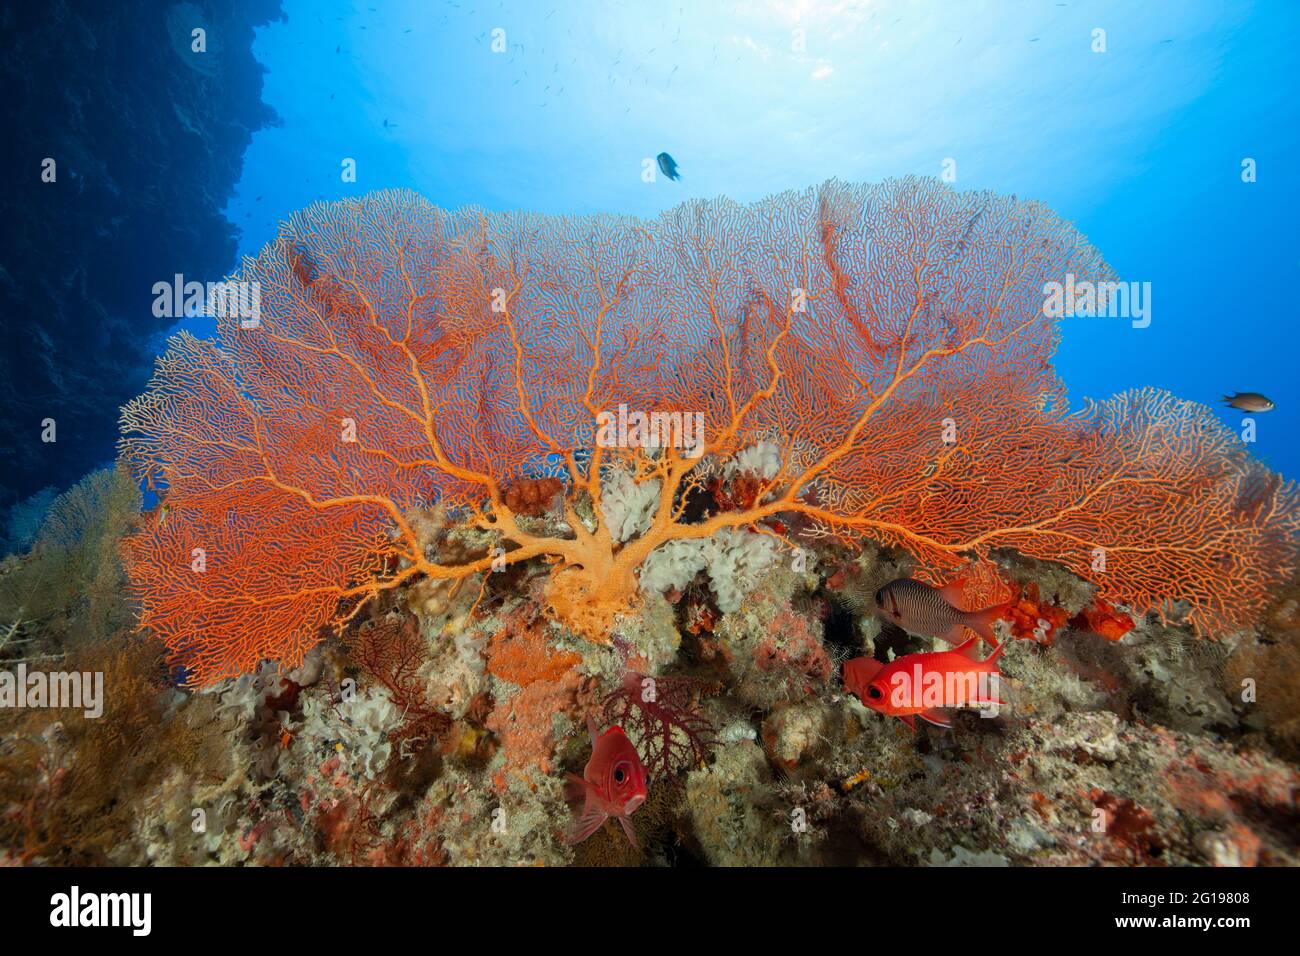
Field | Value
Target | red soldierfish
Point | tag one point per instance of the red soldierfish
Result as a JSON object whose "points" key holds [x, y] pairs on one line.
{"points": [[612, 784], [921, 609], [922, 685]]}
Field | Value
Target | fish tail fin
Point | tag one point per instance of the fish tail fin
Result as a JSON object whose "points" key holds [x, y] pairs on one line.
{"points": [[981, 622]]}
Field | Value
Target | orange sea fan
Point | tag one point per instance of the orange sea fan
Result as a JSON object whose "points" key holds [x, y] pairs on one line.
{"points": [[888, 341]]}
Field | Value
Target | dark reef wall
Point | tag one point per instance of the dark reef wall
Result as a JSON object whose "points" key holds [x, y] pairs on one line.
{"points": [[149, 139]]}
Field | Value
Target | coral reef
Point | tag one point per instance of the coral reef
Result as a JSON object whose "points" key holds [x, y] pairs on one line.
{"points": [[527, 375], [439, 733], [393, 596]]}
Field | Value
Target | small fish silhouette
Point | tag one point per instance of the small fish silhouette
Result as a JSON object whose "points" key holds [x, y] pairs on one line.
{"points": [[1249, 402], [668, 165]]}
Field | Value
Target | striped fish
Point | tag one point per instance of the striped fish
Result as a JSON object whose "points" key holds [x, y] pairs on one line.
{"points": [[921, 609]]}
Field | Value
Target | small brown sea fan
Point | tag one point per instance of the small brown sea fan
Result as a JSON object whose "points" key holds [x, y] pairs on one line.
{"points": [[661, 716]]}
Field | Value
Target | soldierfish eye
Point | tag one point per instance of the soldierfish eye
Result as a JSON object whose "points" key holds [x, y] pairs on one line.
{"points": [[880, 598], [874, 693], [619, 775]]}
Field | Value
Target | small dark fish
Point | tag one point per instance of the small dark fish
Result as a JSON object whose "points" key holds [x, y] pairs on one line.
{"points": [[1249, 402], [922, 609], [668, 165], [302, 264]]}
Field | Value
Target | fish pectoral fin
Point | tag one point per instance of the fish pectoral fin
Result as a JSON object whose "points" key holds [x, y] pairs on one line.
{"points": [[891, 629], [937, 717], [631, 834], [910, 721], [955, 635], [584, 825]]}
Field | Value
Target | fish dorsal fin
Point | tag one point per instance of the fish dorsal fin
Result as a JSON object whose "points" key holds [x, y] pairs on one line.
{"points": [[993, 657], [968, 648], [953, 593], [575, 788], [860, 671]]}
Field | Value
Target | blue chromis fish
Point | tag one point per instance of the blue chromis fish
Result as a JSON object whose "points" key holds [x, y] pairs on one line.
{"points": [[1249, 402], [668, 166]]}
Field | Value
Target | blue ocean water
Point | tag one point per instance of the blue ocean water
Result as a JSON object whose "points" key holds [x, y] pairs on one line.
{"points": [[1141, 143]]}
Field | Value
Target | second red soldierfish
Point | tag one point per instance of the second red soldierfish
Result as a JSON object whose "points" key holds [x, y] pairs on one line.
{"points": [[613, 784], [923, 685]]}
